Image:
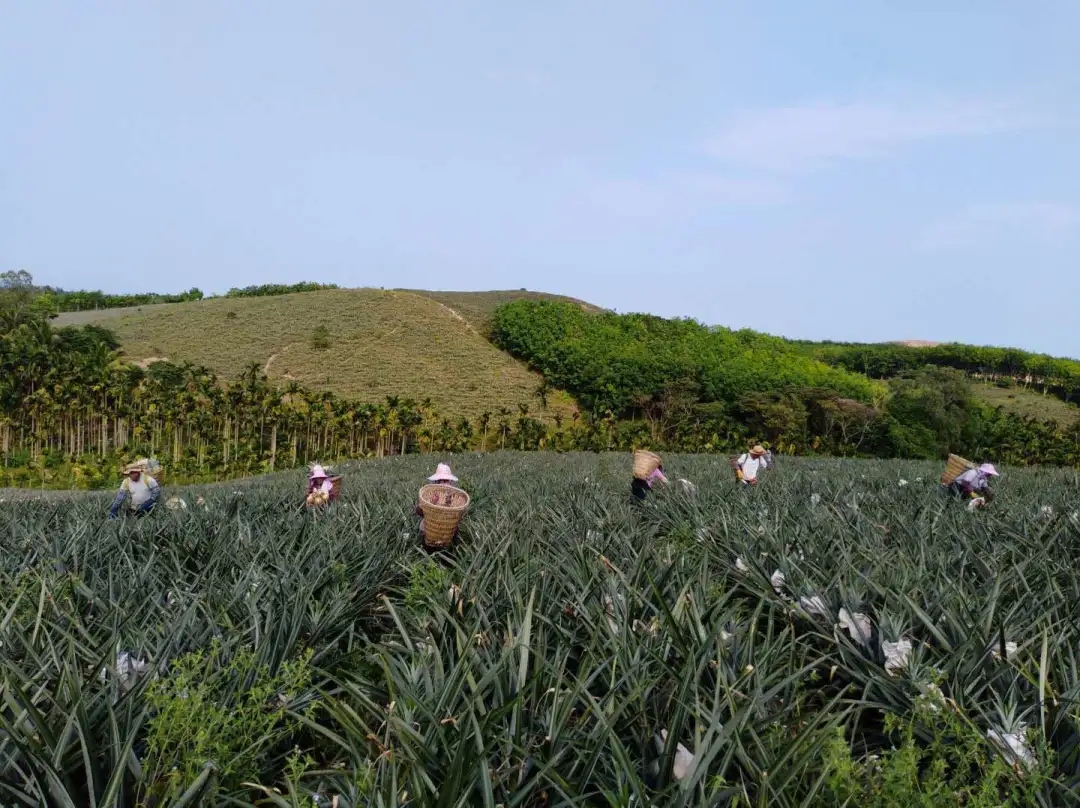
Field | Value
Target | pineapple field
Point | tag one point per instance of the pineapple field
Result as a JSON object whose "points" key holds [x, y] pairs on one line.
{"points": [[842, 634]]}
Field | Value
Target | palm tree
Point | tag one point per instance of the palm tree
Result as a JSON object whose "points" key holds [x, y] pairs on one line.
{"points": [[485, 421], [504, 426]]}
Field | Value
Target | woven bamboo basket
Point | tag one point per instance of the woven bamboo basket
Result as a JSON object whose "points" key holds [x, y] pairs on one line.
{"points": [[336, 490], [443, 507], [954, 467], [645, 463]]}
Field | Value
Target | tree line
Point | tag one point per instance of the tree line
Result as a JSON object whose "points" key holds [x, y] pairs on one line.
{"points": [[625, 363], [680, 376], [1051, 375], [52, 300], [72, 412], [271, 289]]}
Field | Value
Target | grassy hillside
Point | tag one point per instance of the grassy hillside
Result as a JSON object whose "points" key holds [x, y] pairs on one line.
{"points": [[385, 343], [476, 308], [479, 307], [106, 316], [1028, 403]]}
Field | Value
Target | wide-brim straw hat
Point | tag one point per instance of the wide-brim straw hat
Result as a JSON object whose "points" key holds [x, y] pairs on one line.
{"points": [[442, 473], [988, 468], [140, 467], [757, 449]]}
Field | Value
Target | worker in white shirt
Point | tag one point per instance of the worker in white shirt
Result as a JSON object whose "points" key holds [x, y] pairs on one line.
{"points": [[140, 489], [747, 465]]}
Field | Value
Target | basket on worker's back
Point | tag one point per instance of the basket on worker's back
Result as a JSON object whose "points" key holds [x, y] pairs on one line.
{"points": [[954, 467], [335, 491], [645, 463], [443, 507]]}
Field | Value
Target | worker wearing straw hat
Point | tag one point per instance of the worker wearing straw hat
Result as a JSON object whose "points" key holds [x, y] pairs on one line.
{"points": [[639, 489], [140, 490], [749, 464], [974, 484], [320, 486], [442, 476]]}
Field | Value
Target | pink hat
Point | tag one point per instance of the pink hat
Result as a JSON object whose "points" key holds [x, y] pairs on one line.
{"points": [[442, 474], [317, 473], [988, 468]]}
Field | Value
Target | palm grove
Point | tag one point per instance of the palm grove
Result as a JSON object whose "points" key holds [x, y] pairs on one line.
{"points": [[72, 411]]}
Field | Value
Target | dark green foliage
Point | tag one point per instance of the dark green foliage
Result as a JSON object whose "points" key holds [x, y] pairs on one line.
{"points": [[320, 338], [612, 362], [713, 389], [54, 301], [1057, 376], [48, 300], [272, 289]]}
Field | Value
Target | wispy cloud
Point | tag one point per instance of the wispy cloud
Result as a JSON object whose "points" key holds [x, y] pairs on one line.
{"points": [[681, 195], [978, 224], [813, 136]]}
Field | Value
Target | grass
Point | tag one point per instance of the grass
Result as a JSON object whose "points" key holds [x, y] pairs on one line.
{"points": [[1027, 403], [384, 343], [478, 307], [559, 654], [104, 316]]}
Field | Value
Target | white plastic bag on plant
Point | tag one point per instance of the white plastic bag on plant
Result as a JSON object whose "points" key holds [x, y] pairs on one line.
{"points": [[778, 580], [609, 610], [814, 606], [896, 655], [1010, 650], [857, 625], [127, 671], [684, 759], [1013, 746]]}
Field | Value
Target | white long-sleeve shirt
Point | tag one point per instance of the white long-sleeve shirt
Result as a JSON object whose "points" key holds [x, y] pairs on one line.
{"points": [[142, 490], [749, 465]]}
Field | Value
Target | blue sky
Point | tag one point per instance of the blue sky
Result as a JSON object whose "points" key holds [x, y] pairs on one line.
{"points": [[862, 170]]}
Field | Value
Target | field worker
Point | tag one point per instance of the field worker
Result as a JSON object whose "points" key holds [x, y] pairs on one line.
{"points": [[319, 486], [140, 489], [747, 465], [974, 484], [639, 489], [442, 476]]}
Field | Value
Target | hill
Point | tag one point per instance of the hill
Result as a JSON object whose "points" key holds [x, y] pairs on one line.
{"points": [[1027, 403], [384, 343], [479, 307]]}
